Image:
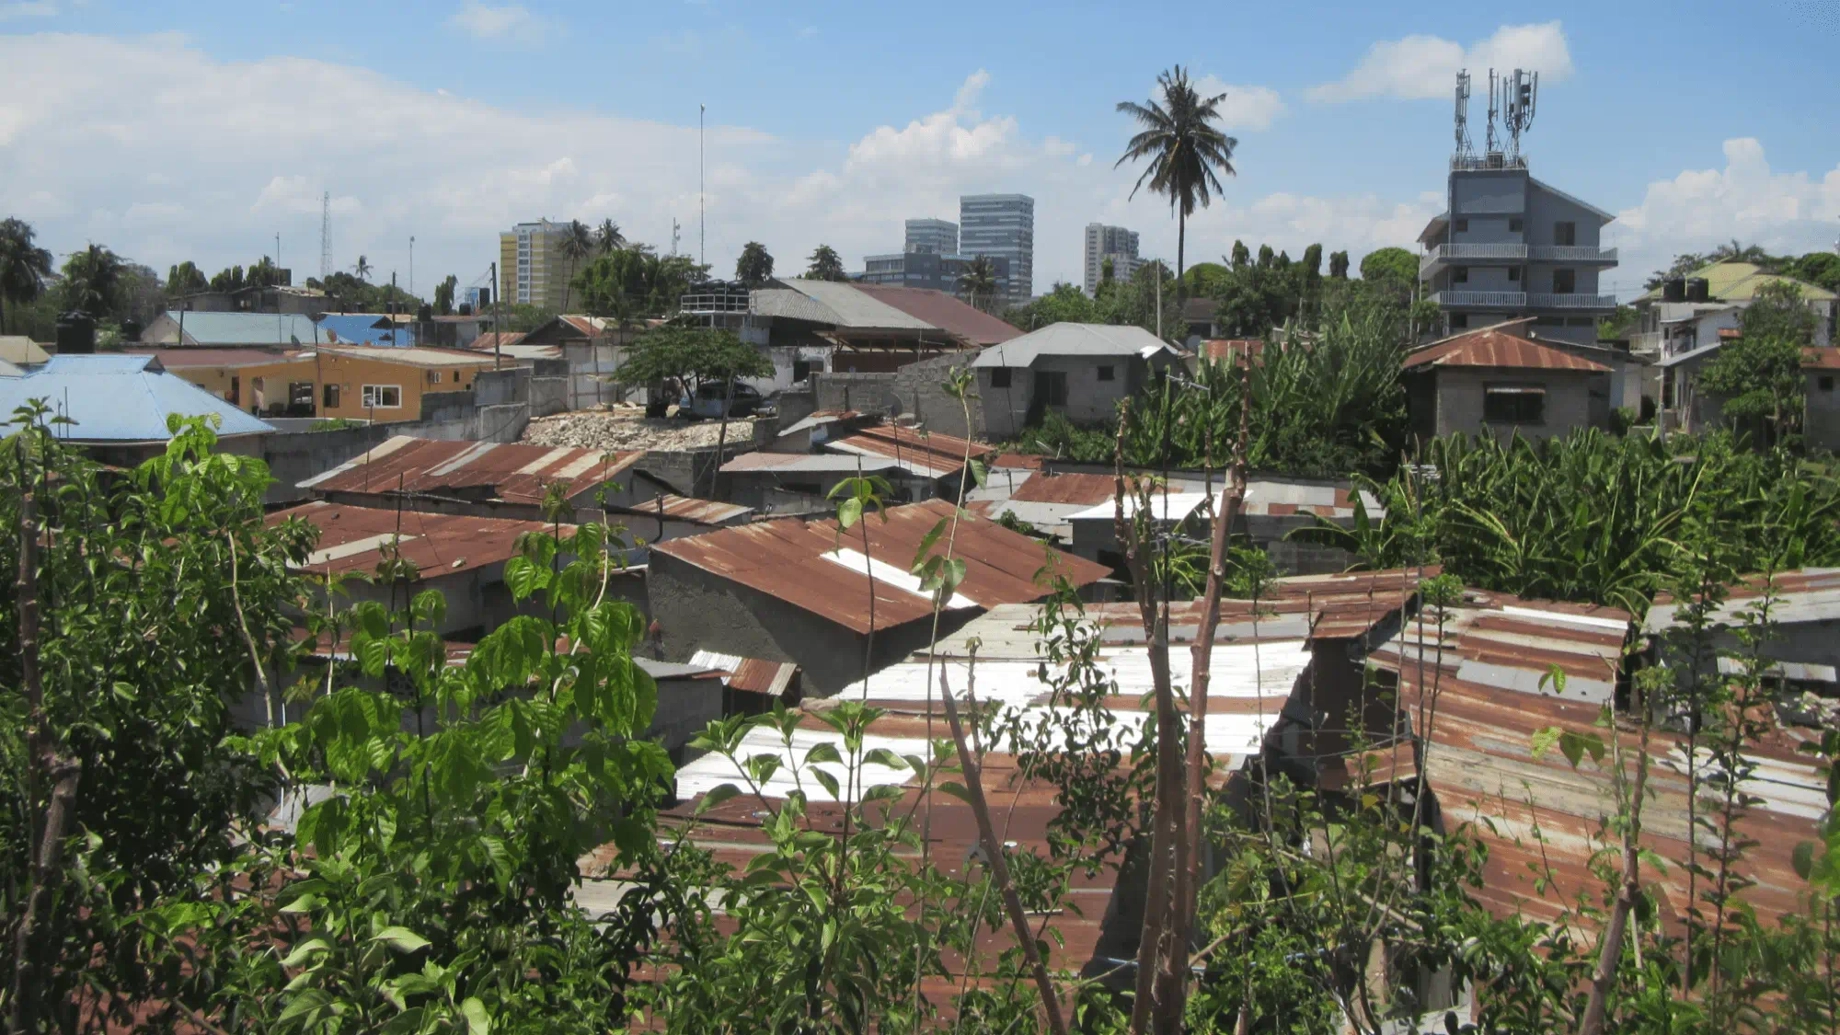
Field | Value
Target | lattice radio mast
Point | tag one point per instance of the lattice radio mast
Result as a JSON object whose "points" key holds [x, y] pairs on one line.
{"points": [[1464, 149], [1519, 93], [325, 237]]}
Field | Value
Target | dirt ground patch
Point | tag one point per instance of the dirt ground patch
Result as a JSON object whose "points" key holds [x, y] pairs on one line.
{"points": [[627, 427]]}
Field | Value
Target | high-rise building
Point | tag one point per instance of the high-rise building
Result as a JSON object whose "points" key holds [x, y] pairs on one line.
{"points": [[1109, 242], [1001, 226], [938, 236], [531, 267]]}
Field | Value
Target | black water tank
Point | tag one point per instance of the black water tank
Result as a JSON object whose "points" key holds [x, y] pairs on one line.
{"points": [[131, 330], [466, 309], [1697, 290], [485, 299], [76, 334], [1674, 289], [425, 313]]}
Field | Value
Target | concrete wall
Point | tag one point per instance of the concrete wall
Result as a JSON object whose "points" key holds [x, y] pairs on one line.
{"points": [[1460, 395], [696, 609], [918, 386], [1089, 400]]}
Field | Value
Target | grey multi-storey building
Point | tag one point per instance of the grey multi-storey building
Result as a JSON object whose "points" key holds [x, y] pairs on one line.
{"points": [[1001, 226], [937, 236], [1109, 242], [1509, 246], [928, 270]]}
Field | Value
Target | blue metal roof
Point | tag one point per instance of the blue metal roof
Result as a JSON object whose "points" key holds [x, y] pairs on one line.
{"points": [[245, 328], [116, 398], [361, 329]]}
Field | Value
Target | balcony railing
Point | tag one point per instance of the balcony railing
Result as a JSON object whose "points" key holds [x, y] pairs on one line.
{"points": [[1518, 300], [1496, 254], [1547, 300]]}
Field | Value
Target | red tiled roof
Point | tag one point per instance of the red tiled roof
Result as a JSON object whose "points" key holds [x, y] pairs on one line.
{"points": [[944, 312], [1494, 348], [786, 559], [508, 471]]}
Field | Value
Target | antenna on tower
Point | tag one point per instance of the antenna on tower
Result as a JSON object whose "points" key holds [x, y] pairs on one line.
{"points": [[1494, 146], [325, 237], [676, 229], [1463, 144], [1518, 96]]}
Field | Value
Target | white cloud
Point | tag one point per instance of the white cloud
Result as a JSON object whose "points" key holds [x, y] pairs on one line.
{"points": [[1418, 67], [402, 160], [1245, 107], [1747, 200], [510, 22]]}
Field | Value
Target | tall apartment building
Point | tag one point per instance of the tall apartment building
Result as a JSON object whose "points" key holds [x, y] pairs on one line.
{"points": [[938, 236], [531, 267], [1109, 242], [1509, 246], [1001, 226]]}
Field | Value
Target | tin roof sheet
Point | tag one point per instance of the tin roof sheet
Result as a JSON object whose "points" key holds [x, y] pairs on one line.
{"points": [[684, 508], [1476, 678], [810, 565], [949, 314], [510, 471], [120, 398], [244, 328], [19, 349], [201, 356], [353, 539], [415, 356], [754, 675], [1802, 595], [1074, 339], [930, 454], [1495, 348]]}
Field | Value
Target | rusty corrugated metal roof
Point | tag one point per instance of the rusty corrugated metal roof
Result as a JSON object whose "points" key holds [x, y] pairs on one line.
{"points": [[684, 508], [353, 539], [943, 311], [1088, 489], [933, 454], [1473, 681], [1494, 348], [754, 675], [1821, 358], [811, 566], [510, 471]]}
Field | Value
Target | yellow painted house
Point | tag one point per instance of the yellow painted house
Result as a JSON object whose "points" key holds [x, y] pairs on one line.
{"points": [[355, 382]]}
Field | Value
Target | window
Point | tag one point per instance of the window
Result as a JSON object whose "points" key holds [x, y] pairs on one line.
{"points": [[382, 397], [1565, 281], [434, 377], [1107, 373], [1514, 274], [1461, 226], [1459, 321], [1459, 275], [1513, 404], [236, 388], [329, 397], [999, 377], [1514, 225], [1565, 233], [1827, 382]]}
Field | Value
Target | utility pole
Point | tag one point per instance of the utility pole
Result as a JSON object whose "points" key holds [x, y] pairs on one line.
{"points": [[702, 228], [412, 264], [275, 284], [498, 330]]}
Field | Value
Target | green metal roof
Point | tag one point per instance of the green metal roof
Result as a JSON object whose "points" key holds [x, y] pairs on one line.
{"points": [[1732, 281]]}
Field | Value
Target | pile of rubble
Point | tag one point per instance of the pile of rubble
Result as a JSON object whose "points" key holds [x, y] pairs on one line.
{"points": [[627, 427]]}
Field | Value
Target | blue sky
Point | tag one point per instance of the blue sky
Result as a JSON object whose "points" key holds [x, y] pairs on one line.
{"points": [[199, 130]]}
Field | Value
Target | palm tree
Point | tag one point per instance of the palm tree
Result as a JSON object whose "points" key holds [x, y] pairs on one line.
{"points": [[608, 237], [92, 278], [978, 282], [577, 244], [1185, 148], [363, 269], [23, 266]]}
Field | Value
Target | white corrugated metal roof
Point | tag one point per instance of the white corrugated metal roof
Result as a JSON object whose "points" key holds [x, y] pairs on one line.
{"points": [[1073, 339]]}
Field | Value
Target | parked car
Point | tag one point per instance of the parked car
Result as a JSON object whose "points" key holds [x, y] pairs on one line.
{"points": [[744, 401]]}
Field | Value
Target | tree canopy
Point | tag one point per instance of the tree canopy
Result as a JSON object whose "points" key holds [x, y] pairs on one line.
{"points": [[754, 266], [691, 356], [1185, 148], [825, 264]]}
